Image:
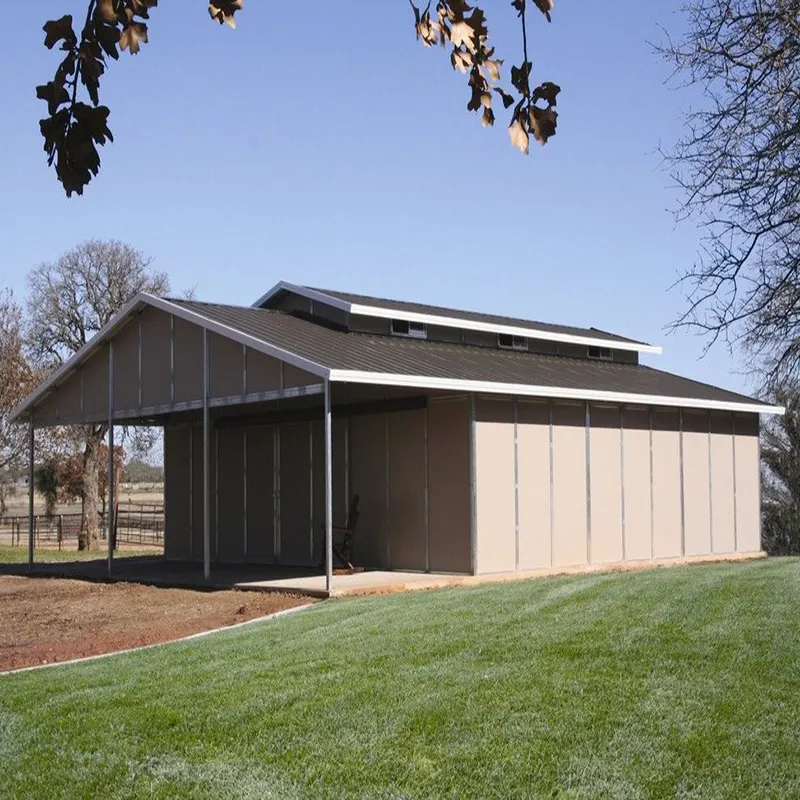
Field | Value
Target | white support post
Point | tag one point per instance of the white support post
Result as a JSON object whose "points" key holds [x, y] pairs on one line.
{"points": [[110, 481], [206, 460], [31, 479], [328, 489]]}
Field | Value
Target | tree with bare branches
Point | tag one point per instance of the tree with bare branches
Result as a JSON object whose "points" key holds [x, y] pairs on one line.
{"points": [[739, 167], [69, 301], [74, 128]]}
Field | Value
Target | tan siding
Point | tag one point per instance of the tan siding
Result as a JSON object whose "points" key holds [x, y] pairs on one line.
{"points": [[606, 485], [722, 498], [748, 517], [533, 437], [176, 496], [569, 485], [260, 495], [636, 434], [263, 372], [188, 361], [95, 385], [126, 366], [697, 498], [64, 403], [449, 486], [292, 376], [494, 486], [227, 366], [407, 489], [295, 494], [666, 484], [230, 533], [368, 480], [156, 332]]}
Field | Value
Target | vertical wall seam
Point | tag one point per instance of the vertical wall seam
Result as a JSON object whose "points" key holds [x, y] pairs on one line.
{"points": [[216, 492], [191, 487], [80, 381], [311, 491], [244, 489], [110, 477], [388, 496], [735, 503], [347, 463], [139, 323], [427, 496], [277, 481], [588, 485], [172, 359], [473, 498], [551, 415], [652, 493], [244, 370], [516, 483], [682, 479], [710, 489], [758, 477], [622, 479]]}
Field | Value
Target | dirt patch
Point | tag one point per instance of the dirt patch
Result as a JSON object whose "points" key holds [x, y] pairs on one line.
{"points": [[46, 620]]}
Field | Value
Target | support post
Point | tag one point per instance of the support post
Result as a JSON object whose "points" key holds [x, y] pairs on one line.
{"points": [[110, 479], [328, 489], [206, 459], [31, 518]]}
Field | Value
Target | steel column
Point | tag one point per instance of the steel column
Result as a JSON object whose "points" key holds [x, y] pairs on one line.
{"points": [[311, 491], [622, 475], [588, 486], [328, 489], [551, 417], [276, 490], [652, 493], [206, 460], [347, 463], [473, 489], [110, 480], [216, 492], [427, 497], [683, 492], [388, 495], [31, 481], [191, 488], [244, 468], [710, 488], [735, 514], [516, 483]]}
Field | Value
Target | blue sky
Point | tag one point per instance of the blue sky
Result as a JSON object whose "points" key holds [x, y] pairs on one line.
{"points": [[335, 151]]}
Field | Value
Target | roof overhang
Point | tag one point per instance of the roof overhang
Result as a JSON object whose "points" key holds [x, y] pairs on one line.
{"points": [[453, 322]]}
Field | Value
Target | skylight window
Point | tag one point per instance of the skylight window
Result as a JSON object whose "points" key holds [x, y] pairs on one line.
{"points": [[507, 341], [601, 353], [415, 330]]}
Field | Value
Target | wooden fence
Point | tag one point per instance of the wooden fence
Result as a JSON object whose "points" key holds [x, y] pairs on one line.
{"points": [[136, 523]]}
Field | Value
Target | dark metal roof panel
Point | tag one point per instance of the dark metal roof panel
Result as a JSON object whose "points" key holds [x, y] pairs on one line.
{"points": [[339, 350], [472, 316]]}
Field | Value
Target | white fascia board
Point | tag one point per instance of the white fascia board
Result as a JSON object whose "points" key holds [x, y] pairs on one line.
{"points": [[554, 392], [121, 317], [454, 322]]}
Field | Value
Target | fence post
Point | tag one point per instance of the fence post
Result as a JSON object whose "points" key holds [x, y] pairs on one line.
{"points": [[59, 534]]}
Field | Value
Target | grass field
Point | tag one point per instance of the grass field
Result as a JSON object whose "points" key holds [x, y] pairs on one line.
{"points": [[672, 682], [19, 555]]}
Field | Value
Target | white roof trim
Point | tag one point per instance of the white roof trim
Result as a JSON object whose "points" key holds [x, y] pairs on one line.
{"points": [[121, 317], [524, 390], [454, 322]]}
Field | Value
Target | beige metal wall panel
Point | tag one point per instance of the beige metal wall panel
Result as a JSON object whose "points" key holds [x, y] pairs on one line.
{"points": [[263, 372], [292, 376], [697, 497], [494, 486], [340, 502], [95, 385], [63, 403], [260, 495], [666, 484], [227, 367], [569, 486], [606, 482], [295, 494], [449, 486], [177, 537], [230, 495], [407, 489], [748, 495], [126, 366], [368, 480], [533, 439], [197, 493], [636, 440], [156, 333], [188, 361], [723, 503]]}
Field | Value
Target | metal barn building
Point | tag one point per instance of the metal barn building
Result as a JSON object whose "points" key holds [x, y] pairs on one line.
{"points": [[477, 444]]}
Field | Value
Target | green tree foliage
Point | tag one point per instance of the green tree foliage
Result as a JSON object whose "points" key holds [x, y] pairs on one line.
{"points": [[780, 451], [77, 123]]}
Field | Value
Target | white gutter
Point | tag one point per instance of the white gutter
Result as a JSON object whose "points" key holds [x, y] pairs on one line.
{"points": [[454, 322], [526, 390]]}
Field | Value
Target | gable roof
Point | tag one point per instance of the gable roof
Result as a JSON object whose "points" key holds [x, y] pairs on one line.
{"points": [[455, 318]]}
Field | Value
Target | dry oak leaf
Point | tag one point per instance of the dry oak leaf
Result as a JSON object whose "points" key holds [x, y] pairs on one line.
{"points": [[223, 10], [518, 134]]}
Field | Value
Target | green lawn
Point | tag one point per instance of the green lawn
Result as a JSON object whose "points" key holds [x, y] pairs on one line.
{"points": [[672, 682], [19, 555]]}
